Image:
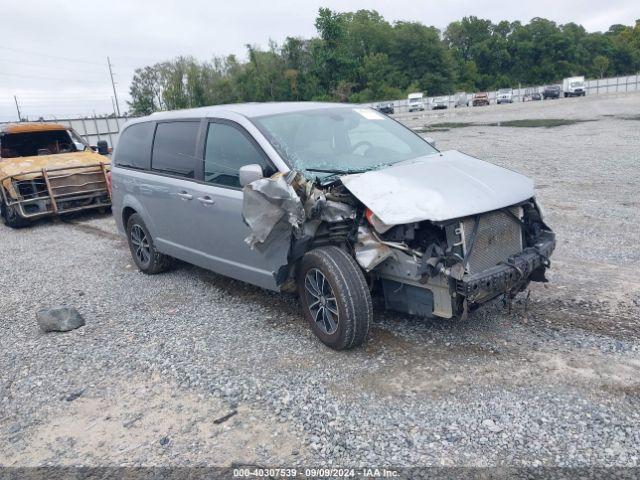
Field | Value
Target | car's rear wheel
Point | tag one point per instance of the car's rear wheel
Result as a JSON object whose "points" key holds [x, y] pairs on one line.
{"points": [[11, 216], [143, 250], [335, 297]]}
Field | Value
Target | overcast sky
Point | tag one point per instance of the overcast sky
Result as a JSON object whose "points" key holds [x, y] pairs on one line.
{"points": [[53, 53]]}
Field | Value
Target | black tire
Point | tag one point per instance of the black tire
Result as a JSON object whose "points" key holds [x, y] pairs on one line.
{"points": [[143, 251], [11, 217], [351, 297]]}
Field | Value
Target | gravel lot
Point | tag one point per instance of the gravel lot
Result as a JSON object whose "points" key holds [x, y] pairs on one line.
{"points": [[162, 357]]}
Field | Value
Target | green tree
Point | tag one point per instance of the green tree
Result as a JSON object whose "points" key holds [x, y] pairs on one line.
{"points": [[601, 64], [361, 57]]}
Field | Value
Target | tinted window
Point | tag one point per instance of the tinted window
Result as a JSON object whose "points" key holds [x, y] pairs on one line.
{"points": [[174, 148], [228, 149], [134, 146]]}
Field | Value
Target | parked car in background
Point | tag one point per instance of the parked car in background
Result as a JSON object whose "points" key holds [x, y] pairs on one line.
{"points": [[416, 101], [330, 200], [462, 99], [531, 97], [480, 99], [574, 87], [48, 169], [551, 91], [439, 103], [504, 95], [386, 108]]}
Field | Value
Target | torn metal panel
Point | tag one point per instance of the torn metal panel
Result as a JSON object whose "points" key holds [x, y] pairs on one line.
{"points": [[271, 204], [317, 206], [370, 252]]}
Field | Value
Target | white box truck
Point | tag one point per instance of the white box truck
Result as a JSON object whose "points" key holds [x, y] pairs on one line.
{"points": [[574, 87], [416, 101]]}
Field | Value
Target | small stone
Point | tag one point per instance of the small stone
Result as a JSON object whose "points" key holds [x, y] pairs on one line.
{"points": [[74, 395], [491, 426], [15, 428], [164, 441], [59, 319]]}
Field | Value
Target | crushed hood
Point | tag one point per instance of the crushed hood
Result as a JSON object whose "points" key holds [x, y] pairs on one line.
{"points": [[437, 187]]}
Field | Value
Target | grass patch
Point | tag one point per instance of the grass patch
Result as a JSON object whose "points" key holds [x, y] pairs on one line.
{"points": [[528, 123], [444, 126], [537, 123]]}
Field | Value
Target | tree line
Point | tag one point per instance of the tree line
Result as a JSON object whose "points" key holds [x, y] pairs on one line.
{"points": [[361, 57]]}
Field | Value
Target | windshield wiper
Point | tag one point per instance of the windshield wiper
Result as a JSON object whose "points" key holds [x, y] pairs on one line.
{"points": [[334, 171]]}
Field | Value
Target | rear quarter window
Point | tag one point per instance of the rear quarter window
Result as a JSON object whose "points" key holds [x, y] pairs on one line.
{"points": [[174, 148], [134, 146]]}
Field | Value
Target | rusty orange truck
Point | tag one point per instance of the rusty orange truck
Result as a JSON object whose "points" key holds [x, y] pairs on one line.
{"points": [[48, 169]]}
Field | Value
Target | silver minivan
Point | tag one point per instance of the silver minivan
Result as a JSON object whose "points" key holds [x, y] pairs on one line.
{"points": [[329, 200]]}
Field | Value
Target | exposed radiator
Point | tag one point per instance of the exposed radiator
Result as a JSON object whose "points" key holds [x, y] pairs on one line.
{"points": [[498, 237]]}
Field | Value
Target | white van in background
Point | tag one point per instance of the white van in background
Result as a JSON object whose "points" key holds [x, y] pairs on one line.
{"points": [[574, 87], [416, 101]]}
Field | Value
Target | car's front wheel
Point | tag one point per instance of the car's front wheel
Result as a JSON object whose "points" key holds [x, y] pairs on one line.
{"points": [[335, 297], [11, 216], [142, 248]]}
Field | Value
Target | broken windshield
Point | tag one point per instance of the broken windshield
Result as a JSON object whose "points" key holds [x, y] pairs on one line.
{"points": [[341, 139]]}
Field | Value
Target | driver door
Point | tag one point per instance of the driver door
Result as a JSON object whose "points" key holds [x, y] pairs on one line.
{"points": [[220, 228]]}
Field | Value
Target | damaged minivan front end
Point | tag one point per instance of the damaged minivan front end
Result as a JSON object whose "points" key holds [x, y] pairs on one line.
{"points": [[441, 233], [429, 267], [445, 268]]}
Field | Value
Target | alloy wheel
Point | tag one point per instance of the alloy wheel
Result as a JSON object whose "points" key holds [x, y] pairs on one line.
{"points": [[140, 242], [321, 301]]}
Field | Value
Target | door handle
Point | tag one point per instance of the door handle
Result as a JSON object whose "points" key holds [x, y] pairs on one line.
{"points": [[185, 195], [206, 200]]}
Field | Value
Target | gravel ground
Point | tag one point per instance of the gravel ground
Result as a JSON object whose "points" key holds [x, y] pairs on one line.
{"points": [[161, 358]]}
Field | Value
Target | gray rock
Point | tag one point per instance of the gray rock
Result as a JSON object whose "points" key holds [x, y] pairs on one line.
{"points": [[491, 426], [59, 319]]}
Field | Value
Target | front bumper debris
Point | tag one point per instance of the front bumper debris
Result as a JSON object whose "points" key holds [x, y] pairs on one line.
{"points": [[510, 275]]}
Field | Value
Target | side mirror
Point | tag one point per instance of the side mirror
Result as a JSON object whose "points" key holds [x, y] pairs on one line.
{"points": [[430, 141], [103, 147], [250, 173]]}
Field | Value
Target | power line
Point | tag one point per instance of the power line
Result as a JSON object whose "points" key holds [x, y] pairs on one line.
{"points": [[49, 78], [46, 65], [44, 55]]}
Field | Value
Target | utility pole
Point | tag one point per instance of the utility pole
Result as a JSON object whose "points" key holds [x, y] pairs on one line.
{"points": [[17, 108], [113, 84]]}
